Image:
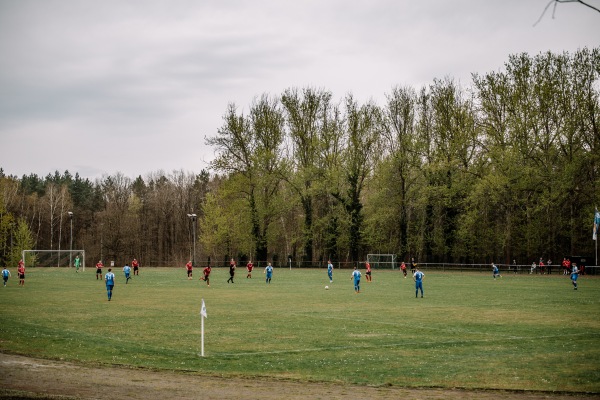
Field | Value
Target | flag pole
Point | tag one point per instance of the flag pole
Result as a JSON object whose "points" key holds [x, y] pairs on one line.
{"points": [[202, 316]]}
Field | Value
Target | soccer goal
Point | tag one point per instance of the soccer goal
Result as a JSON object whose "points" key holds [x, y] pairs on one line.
{"points": [[382, 260], [52, 258]]}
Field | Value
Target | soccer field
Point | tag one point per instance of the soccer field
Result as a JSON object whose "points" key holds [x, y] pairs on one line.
{"points": [[519, 332]]}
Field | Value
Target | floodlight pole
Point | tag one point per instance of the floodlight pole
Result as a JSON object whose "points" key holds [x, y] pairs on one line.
{"points": [[101, 239], [71, 245], [193, 218]]}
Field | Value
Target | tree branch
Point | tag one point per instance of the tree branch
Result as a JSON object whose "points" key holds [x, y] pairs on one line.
{"points": [[562, 1]]}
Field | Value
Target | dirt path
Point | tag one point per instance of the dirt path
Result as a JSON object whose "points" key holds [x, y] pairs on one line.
{"points": [[21, 377]]}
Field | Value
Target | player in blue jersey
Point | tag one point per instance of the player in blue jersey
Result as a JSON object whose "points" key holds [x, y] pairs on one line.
{"points": [[127, 271], [356, 277], [5, 275], [495, 271], [330, 271], [418, 278], [574, 276], [269, 272], [109, 278]]}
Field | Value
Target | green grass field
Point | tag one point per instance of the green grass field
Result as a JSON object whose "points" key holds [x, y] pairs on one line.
{"points": [[519, 332]]}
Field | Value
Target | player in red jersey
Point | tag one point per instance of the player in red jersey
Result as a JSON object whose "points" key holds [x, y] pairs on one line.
{"points": [[21, 273], [403, 268], [249, 267], [206, 277], [189, 267], [368, 273], [99, 270], [135, 265]]}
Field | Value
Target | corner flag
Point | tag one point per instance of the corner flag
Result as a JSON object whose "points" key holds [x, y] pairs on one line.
{"points": [[203, 309], [202, 316]]}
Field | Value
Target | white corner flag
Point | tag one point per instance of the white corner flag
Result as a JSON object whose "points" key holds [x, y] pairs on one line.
{"points": [[203, 309], [202, 316]]}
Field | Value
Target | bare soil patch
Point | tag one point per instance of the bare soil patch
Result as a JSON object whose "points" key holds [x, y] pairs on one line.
{"points": [[31, 378]]}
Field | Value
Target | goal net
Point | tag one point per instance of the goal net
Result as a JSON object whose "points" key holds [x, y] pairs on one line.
{"points": [[53, 258], [382, 261]]}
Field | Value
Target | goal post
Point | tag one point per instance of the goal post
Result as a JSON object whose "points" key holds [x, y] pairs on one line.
{"points": [[382, 261], [52, 258]]}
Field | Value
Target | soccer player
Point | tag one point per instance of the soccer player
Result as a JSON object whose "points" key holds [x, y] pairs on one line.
{"points": [[109, 278], [403, 268], [189, 267], [269, 272], [249, 267], [5, 275], [495, 271], [574, 276], [356, 277], [565, 265], [418, 278], [135, 265], [127, 271], [77, 263], [330, 271], [368, 273], [231, 270], [21, 273], [413, 265], [99, 270], [206, 276]]}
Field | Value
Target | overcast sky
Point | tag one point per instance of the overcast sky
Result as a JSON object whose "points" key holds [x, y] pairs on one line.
{"points": [[99, 87]]}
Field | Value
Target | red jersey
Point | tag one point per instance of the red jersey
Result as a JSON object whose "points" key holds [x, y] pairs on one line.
{"points": [[368, 267], [21, 268], [134, 263], [403, 266], [189, 266], [206, 272], [249, 266], [99, 265]]}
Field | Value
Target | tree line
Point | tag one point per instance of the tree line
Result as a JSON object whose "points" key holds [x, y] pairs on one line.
{"points": [[506, 168]]}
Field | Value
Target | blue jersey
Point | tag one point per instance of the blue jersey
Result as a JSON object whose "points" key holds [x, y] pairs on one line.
{"points": [[575, 274], [5, 273], [127, 269], [329, 268], [110, 279], [356, 275], [418, 276], [269, 271]]}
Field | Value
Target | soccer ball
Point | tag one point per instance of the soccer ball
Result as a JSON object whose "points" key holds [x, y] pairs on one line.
{"points": [[326, 287]]}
